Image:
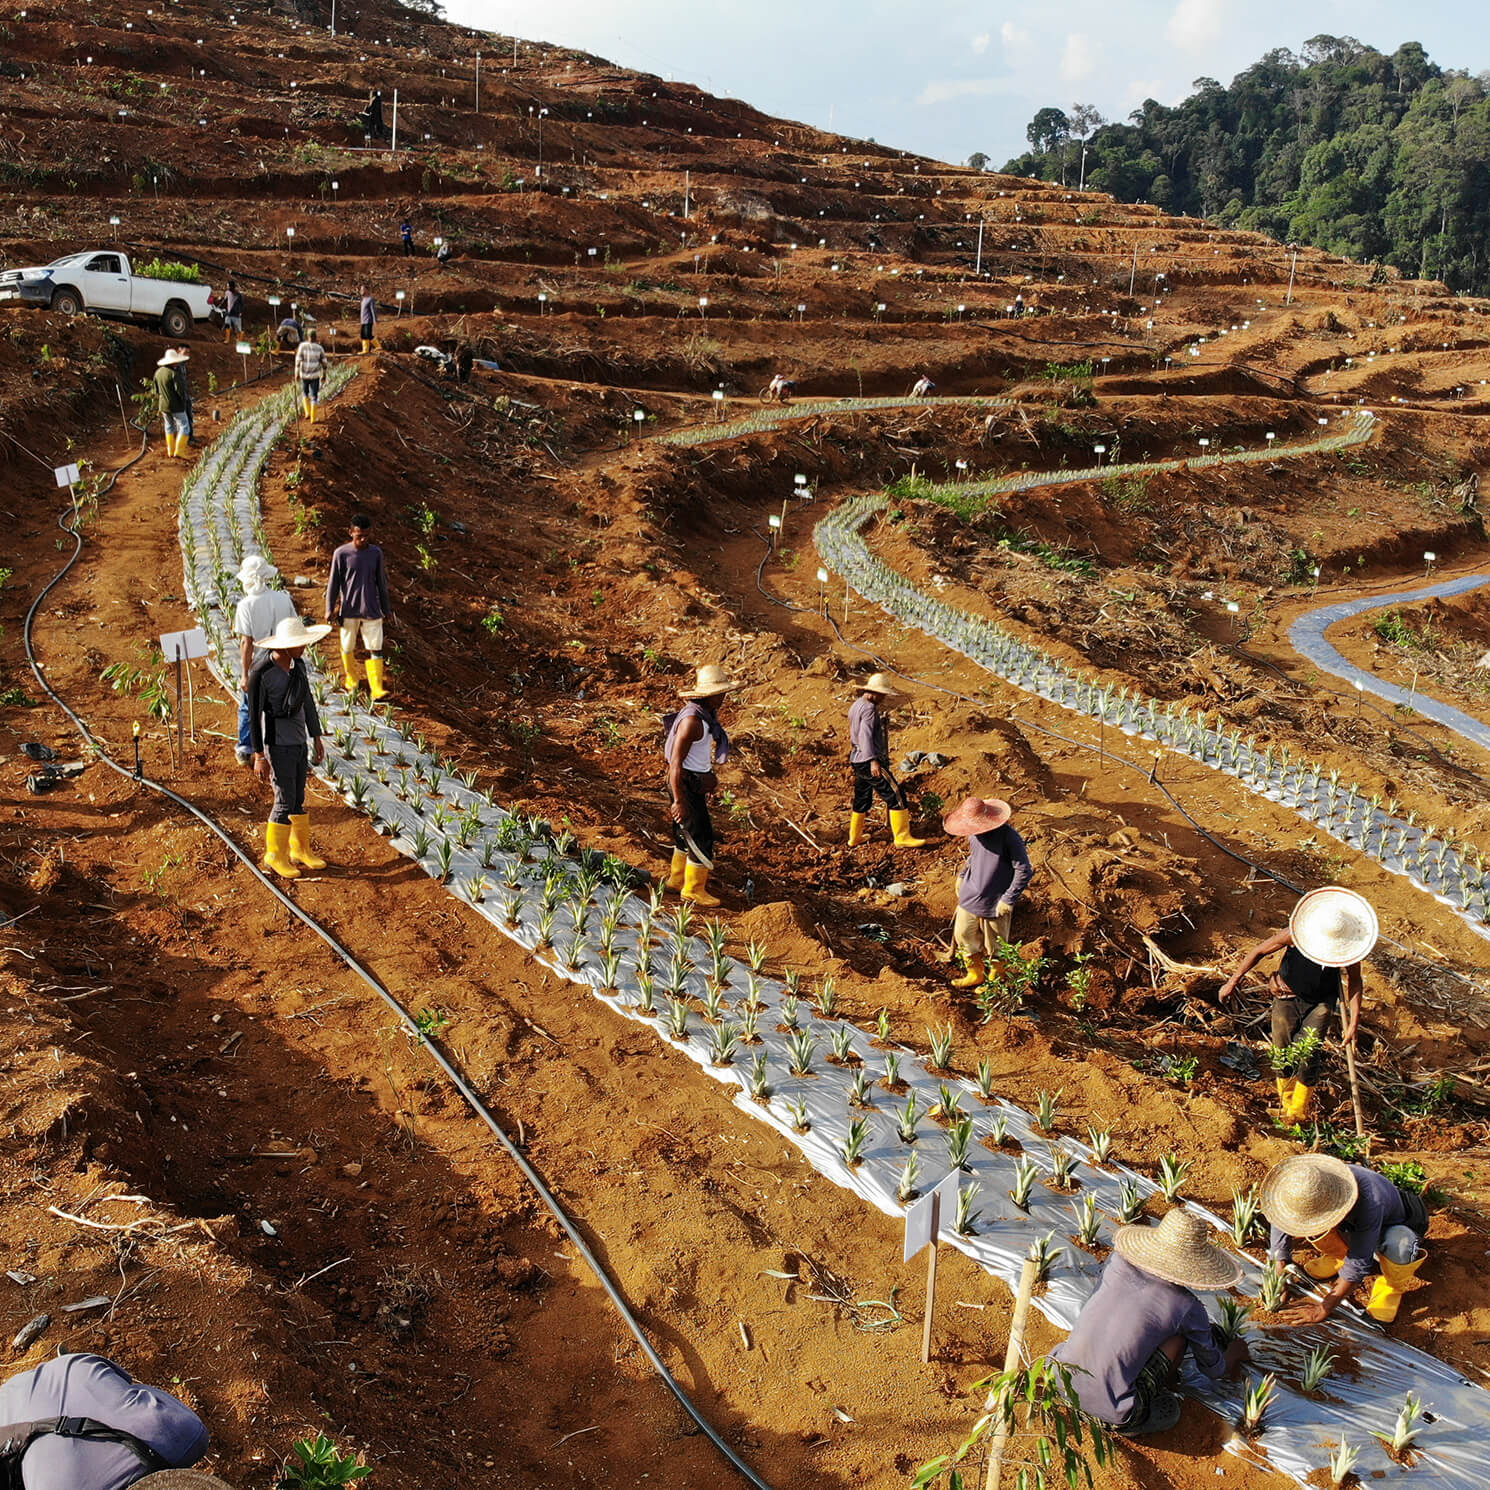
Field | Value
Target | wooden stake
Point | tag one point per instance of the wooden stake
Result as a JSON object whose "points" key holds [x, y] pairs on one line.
{"points": [[1355, 1089], [1011, 1359], [180, 717], [936, 1232]]}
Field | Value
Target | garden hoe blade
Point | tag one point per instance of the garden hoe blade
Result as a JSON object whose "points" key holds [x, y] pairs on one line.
{"points": [[695, 852]]}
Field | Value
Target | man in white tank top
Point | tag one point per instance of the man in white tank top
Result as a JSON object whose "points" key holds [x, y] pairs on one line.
{"points": [[695, 743]]}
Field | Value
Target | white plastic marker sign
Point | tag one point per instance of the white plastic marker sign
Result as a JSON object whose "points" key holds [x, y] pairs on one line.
{"points": [[922, 1219], [184, 645], [66, 475]]}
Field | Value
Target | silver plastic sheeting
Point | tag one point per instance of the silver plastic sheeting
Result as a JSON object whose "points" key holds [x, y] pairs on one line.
{"points": [[456, 834]]}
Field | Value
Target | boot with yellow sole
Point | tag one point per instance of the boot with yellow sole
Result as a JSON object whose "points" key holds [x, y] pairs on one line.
{"points": [[349, 671], [977, 972], [900, 826], [300, 849], [857, 823], [1387, 1290], [376, 685], [696, 886]]}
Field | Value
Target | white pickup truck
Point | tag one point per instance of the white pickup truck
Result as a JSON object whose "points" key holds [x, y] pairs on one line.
{"points": [[100, 281]]}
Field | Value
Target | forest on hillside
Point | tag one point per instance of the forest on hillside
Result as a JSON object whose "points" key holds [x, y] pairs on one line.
{"points": [[1381, 158]]}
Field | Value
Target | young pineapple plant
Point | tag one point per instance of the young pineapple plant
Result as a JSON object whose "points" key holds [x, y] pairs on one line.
{"points": [[1088, 1220], [1045, 1254], [791, 1013], [841, 1042], [756, 954], [1259, 1398], [853, 1146], [1343, 1461], [796, 1110], [1405, 1430], [676, 1020], [882, 1026], [1233, 1318], [905, 1129], [723, 1042], [1130, 1202], [750, 1025], [476, 889], [891, 1079], [1243, 1214], [985, 1080], [967, 1211], [948, 1108], [754, 988], [512, 906], [860, 1092], [716, 938], [547, 915], [760, 1084], [1101, 1141], [715, 1007], [1026, 1172], [959, 1142], [575, 947], [800, 1048], [1045, 1108], [1062, 1168], [610, 970], [1317, 1366], [941, 1047], [998, 1131], [646, 989], [1273, 1289], [910, 1176], [794, 983], [827, 999], [1173, 1172]]}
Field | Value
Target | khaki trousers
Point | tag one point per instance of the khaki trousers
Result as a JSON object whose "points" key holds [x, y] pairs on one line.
{"points": [[980, 937]]}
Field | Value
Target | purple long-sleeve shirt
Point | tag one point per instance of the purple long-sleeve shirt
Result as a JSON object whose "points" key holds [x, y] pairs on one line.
{"points": [[358, 585], [1378, 1206], [868, 732], [997, 871], [1131, 1314]]}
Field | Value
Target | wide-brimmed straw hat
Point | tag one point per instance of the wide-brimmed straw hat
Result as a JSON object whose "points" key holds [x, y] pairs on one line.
{"points": [[1333, 927], [181, 1479], [712, 681], [173, 356], [1309, 1194], [256, 566], [977, 815], [879, 683], [292, 632], [1180, 1249]]}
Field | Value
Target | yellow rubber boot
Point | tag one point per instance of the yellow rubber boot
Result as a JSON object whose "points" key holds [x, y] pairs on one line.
{"points": [[674, 880], [1286, 1084], [1387, 1290], [310, 410], [977, 971], [277, 850], [696, 885], [349, 671], [857, 822], [1296, 1109], [1332, 1253], [300, 850], [900, 825], [375, 687]]}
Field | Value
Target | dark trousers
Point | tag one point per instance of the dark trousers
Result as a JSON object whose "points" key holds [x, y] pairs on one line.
{"points": [[408, 248], [695, 805], [1291, 1017], [289, 765], [866, 785]]}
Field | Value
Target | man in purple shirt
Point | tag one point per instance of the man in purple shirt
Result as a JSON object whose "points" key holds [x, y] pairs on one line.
{"points": [[1354, 1216], [1125, 1350], [869, 758], [989, 884], [357, 597], [119, 1432]]}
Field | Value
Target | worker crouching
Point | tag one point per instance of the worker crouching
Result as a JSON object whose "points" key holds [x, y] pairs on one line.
{"points": [[869, 758], [694, 743], [1353, 1216], [989, 885], [285, 732]]}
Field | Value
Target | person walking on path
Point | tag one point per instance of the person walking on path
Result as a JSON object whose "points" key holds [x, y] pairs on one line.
{"points": [[1353, 1216], [1330, 931], [369, 313], [310, 364], [1125, 1349], [183, 379], [406, 232], [989, 885], [171, 402], [357, 599], [285, 734], [232, 312], [869, 759], [695, 743], [259, 612], [92, 1426]]}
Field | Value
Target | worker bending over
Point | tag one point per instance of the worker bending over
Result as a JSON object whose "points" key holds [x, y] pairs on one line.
{"points": [[869, 759], [1353, 1216], [694, 744], [1330, 931]]}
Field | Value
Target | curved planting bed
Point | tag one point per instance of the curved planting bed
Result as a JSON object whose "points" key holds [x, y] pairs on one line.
{"points": [[869, 1114], [775, 415]]}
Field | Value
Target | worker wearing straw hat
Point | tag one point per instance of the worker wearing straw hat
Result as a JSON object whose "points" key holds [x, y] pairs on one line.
{"points": [[1353, 1216], [1126, 1347], [695, 743], [285, 731], [171, 401], [259, 612], [869, 758], [1330, 932], [990, 883]]}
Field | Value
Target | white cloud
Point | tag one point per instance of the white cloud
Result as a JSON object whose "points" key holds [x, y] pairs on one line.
{"points": [[1014, 38], [947, 90], [1139, 89], [981, 41], [1079, 59], [1195, 24]]}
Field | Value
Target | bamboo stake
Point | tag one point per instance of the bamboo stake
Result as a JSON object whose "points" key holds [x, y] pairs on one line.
{"points": [[1011, 1360], [1355, 1088]]}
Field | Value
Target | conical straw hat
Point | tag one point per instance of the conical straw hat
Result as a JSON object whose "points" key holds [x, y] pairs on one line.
{"points": [[879, 683], [974, 815], [1308, 1195], [1334, 927], [292, 632], [1180, 1249], [712, 681], [181, 1479]]}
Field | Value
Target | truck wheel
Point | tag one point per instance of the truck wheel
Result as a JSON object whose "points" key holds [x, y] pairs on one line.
{"points": [[67, 301], [176, 322]]}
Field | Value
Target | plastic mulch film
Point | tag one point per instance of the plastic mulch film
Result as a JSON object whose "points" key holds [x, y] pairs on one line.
{"points": [[647, 969], [1453, 876]]}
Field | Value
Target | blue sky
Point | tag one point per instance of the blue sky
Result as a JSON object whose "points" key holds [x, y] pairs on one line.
{"points": [[947, 77]]}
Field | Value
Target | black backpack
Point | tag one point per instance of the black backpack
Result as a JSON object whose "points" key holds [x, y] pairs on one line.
{"points": [[16, 1438]]}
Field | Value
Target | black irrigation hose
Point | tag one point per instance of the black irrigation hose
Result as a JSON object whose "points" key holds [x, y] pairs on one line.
{"points": [[472, 1100]]}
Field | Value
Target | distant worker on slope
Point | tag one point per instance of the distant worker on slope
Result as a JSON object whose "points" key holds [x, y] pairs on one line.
{"points": [[171, 403], [287, 333], [695, 743], [989, 885], [232, 312], [869, 759], [369, 315], [921, 387], [373, 124], [780, 389], [406, 233], [357, 598], [285, 734], [1330, 930], [310, 365]]}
